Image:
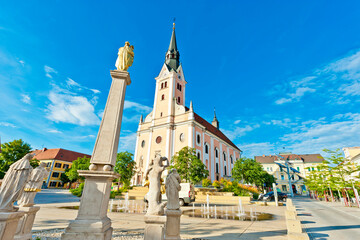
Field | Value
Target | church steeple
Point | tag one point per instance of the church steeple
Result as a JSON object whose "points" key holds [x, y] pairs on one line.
{"points": [[215, 122], [172, 58]]}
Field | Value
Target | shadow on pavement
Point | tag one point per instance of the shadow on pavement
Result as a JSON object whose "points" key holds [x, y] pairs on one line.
{"points": [[327, 228]]}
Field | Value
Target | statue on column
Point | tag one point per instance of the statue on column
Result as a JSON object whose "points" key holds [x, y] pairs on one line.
{"points": [[14, 182], [125, 57], [173, 187], [156, 167], [33, 186]]}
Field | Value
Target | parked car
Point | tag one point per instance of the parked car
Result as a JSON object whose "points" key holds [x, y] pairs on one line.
{"points": [[186, 194], [270, 196]]}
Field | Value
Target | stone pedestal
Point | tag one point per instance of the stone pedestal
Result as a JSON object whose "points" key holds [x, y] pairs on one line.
{"points": [[8, 224], [172, 231], [155, 227], [92, 222], [26, 222]]}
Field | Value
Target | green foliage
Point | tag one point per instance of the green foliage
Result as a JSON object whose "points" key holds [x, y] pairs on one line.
{"points": [[250, 171], [78, 191], [189, 167], [125, 166], [216, 184], [34, 163], [63, 177], [79, 164], [12, 152], [206, 182]]}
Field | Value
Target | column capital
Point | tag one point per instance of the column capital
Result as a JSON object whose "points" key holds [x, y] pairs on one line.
{"points": [[118, 74]]}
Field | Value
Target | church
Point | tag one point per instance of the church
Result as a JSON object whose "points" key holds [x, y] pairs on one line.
{"points": [[171, 126]]}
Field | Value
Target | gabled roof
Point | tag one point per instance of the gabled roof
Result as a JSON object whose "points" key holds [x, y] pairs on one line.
{"points": [[306, 158], [58, 154]]}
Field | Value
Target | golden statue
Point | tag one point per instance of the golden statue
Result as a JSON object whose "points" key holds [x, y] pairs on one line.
{"points": [[125, 57]]}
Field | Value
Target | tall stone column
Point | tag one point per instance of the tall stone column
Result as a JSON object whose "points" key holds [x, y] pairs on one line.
{"points": [[92, 221]]}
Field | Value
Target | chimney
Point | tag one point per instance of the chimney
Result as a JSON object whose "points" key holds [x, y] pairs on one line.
{"points": [[44, 149]]}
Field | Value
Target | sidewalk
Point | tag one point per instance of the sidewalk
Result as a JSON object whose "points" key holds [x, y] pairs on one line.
{"points": [[51, 216]]}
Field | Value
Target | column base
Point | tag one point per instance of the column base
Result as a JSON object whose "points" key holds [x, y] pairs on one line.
{"points": [[88, 229], [8, 224], [25, 224], [172, 231], [155, 227]]}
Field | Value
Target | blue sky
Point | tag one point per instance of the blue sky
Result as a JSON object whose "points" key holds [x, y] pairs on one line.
{"points": [[281, 74]]}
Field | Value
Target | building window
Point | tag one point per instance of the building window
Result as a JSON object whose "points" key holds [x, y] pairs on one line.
{"points": [[182, 137], [161, 114], [143, 143], [313, 169], [165, 85], [162, 85], [52, 184], [282, 177], [225, 171], [224, 156], [178, 100], [66, 166], [231, 159], [292, 177], [163, 97], [283, 188], [158, 139], [48, 164], [217, 168], [198, 155], [58, 165], [198, 139], [216, 153], [206, 149], [271, 169], [61, 184], [55, 174]]}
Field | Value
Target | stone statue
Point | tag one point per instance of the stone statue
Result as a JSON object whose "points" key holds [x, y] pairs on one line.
{"points": [[173, 187], [125, 57], [33, 186], [156, 167], [14, 182]]}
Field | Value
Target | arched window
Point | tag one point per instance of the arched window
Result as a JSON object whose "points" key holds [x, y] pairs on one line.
{"points": [[198, 139], [206, 148], [162, 85], [165, 84], [143, 143], [198, 155], [162, 97], [178, 99], [216, 153], [231, 159], [224, 156], [225, 171]]}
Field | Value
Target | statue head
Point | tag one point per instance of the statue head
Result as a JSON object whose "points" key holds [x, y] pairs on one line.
{"points": [[127, 43], [29, 156]]}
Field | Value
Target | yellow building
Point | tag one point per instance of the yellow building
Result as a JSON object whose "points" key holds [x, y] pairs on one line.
{"points": [[353, 155], [300, 167], [171, 126], [57, 161]]}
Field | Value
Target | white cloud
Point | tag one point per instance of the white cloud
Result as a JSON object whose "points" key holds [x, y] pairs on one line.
{"points": [[22, 62], [71, 82], [25, 98], [237, 121], [239, 131], [95, 91], [71, 109], [352, 89], [6, 124], [54, 131], [296, 96], [257, 149], [48, 71], [137, 107], [127, 142]]}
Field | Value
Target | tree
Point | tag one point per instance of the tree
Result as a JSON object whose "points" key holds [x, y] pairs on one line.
{"points": [[252, 172], [79, 164], [125, 166], [189, 167], [63, 177], [12, 152]]}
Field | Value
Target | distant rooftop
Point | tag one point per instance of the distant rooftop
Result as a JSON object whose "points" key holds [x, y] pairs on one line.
{"points": [[58, 154], [306, 158]]}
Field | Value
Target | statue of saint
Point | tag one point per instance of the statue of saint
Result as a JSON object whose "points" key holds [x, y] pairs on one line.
{"points": [[173, 187], [14, 182], [156, 167], [33, 186], [125, 57]]}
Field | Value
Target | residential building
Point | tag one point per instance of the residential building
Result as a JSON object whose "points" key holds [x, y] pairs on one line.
{"points": [[57, 161], [353, 155], [171, 126], [300, 165]]}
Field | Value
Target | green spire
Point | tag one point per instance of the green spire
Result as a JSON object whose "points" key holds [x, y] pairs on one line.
{"points": [[172, 58]]}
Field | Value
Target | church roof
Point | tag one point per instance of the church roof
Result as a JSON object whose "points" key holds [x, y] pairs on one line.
{"points": [[306, 158], [172, 57], [58, 154], [209, 127]]}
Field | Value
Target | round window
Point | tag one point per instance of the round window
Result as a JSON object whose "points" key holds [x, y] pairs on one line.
{"points": [[143, 143], [158, 140], [182, 137]]}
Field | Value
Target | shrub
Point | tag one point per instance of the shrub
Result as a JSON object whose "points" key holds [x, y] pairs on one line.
{"points": [[78, 191], [216, 184], [206, 182]]}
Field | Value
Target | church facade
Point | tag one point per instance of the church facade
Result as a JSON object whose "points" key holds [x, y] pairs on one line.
{"points": [[171, 126]]}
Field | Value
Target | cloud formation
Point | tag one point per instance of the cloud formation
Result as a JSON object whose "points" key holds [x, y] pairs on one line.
{"points": [[49, 71]]}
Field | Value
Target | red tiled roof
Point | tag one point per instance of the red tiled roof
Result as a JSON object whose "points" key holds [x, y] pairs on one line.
{"points": [[58, 154], [307, 158], [209, 127]]}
